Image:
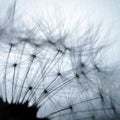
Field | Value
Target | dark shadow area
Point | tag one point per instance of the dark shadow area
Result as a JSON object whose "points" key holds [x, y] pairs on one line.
{"points": [[17, 111]]}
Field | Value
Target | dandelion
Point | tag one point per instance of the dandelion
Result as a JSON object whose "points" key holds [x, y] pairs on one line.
{"points": [[52, 74]]}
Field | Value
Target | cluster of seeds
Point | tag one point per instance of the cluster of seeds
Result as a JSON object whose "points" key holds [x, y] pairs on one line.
{"points": [[62, 75]]}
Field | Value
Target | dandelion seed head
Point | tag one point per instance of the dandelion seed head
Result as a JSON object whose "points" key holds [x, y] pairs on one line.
{"points": [[56, 73]]}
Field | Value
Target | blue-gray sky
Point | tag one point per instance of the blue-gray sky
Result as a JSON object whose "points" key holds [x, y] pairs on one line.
{"points": [[95, 11]]}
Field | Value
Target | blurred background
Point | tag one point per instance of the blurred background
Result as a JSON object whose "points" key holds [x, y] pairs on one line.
{"points": [[72, 11]]}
